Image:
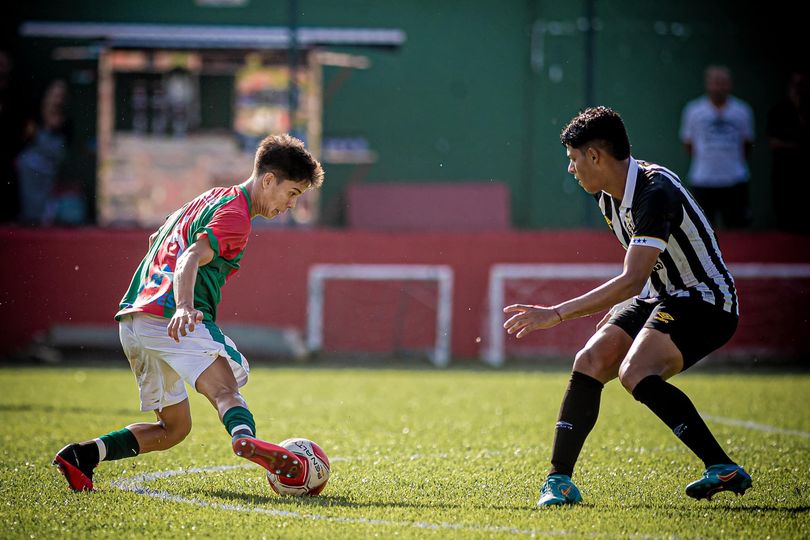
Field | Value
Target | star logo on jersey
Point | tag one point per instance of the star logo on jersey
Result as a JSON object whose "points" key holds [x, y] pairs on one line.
{"points": [[664, 317]]}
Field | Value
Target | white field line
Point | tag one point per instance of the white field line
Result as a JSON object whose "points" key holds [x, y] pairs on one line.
{"points": [[756, 426], [137, 484]]}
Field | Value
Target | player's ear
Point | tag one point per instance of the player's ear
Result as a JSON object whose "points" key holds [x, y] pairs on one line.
{"points": [[592, 153], [268, 179]]}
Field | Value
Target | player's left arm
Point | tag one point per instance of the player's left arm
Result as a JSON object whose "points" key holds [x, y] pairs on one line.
{"points": [[185, 316]]}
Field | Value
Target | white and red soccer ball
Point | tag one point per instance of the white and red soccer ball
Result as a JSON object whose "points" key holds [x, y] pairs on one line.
{"points": [[316, 470]]}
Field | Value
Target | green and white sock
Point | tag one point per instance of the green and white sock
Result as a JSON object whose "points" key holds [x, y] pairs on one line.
{"points": [[118, 445], [239, 422]]}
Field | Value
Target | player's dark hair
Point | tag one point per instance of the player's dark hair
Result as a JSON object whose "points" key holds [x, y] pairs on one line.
{"points": [[288, 159], [601, 126]]}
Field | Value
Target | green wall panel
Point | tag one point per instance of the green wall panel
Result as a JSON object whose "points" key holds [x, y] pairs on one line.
{"points": [[481, 88]]}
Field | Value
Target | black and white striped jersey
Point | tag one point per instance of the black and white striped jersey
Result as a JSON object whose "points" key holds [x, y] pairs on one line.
{"points": [[658, 211]]}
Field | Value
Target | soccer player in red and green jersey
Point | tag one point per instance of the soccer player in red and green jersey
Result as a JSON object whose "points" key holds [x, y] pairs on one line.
{"points": [[167, 318]]}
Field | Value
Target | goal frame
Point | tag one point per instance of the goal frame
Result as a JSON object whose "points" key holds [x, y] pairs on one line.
{"points": [[494, 353], [442, 274]]}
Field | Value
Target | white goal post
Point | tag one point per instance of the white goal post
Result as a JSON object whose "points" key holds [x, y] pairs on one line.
{"points": [[442, 274], [493, 354]]}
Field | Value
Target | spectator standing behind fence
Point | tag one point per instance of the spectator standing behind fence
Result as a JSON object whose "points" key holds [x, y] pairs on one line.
{"points": [[717, 130], [39, 163], [789, 137], [12, 121]]}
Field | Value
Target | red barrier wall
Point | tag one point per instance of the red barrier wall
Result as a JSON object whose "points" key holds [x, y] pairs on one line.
{"points": [[78, 276]]}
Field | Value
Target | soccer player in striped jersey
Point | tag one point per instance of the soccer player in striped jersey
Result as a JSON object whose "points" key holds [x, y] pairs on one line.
{"points": [[674, 303], [167, 318]]}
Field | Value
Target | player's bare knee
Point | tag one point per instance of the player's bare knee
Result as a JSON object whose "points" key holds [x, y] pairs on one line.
{"points": [[595, 363], [630, 375]]}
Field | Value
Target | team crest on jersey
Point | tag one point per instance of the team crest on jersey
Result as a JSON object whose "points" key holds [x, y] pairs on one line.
{"points": [[664, 317]]}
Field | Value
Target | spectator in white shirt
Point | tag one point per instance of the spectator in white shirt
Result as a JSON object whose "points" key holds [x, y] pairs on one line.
{"points": [[717, 130]]}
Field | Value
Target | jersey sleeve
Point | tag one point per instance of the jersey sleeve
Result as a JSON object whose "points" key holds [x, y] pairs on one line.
{"points": [[655, 215], [227, 232]]}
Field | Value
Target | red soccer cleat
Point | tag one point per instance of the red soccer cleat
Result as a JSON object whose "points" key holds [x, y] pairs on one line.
{"points": [[78, 475], [276, 459]]}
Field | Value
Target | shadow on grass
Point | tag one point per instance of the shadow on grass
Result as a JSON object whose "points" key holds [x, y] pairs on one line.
{"points": [[61, 409], [715, 506], [329, 501], [21, 408]]}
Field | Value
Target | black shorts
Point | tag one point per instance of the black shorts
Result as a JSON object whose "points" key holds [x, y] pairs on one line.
{"points": [[696, 327]]}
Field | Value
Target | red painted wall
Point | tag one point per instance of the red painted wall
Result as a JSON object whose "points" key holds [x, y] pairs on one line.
{"points": [[78, 276]]}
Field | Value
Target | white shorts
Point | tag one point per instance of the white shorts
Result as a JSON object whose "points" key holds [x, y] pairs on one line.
{"points": [[161, 365]]}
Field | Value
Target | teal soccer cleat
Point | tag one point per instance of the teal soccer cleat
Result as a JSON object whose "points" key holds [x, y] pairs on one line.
{"points": [[558, 489], [719, 478]]}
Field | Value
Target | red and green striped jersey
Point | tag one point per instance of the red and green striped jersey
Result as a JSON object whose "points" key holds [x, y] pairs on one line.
{"points": [[223, 215]]}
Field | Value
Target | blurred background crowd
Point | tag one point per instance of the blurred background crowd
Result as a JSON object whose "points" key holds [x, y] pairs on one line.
{"points": [[113, 116]]}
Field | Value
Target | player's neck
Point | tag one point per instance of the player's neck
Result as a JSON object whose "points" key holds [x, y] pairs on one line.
{"points": [[616, 178], [250, 186]]}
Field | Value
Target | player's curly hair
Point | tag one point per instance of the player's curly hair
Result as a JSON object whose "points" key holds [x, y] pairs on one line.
{"points": [[598, 125], [287, 158]]}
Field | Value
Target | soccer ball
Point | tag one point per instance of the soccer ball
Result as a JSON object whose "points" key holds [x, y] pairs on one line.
{"points": [[316, 470]]}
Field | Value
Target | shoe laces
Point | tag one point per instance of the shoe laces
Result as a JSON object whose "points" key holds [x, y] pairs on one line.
{"points": [[550, 484]]}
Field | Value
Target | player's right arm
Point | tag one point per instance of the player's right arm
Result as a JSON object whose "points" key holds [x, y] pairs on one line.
{"points": [[185, 316], [658, 208], [638, 265]]}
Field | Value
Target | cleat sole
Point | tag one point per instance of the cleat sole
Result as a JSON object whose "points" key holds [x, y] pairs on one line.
{"points": [[274, 458]]}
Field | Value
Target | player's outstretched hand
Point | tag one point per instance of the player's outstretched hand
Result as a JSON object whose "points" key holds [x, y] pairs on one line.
{"points": [[182, 322], [530, 318]]}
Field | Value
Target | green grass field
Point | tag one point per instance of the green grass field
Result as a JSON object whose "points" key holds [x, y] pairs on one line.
{"points": [[416, 453]]}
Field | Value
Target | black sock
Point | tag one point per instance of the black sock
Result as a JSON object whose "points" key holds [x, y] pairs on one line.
{"points": [[677, 411], [88, 451], [578, 413]]}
